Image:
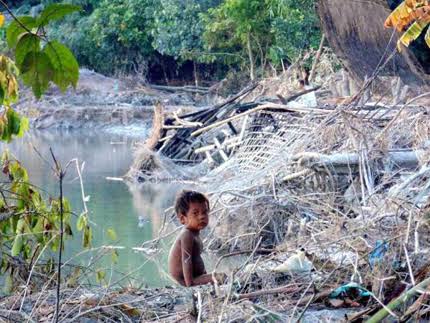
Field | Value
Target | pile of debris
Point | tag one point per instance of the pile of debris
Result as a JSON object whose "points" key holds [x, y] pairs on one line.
{"points": [[349, 184]]}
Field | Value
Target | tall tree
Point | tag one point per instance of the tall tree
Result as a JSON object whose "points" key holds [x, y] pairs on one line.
{"points": [[261, 30]]}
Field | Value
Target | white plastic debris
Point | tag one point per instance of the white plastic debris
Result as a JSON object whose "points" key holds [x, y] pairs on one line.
{"points": [[297, 263]]}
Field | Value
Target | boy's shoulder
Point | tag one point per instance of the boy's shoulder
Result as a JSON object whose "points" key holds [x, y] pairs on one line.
{"points": [[186, 234]]}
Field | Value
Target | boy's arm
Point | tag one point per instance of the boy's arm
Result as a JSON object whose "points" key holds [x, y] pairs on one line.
{"points": [[187, 242]]}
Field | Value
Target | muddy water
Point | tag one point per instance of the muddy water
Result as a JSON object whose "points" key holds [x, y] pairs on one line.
{"points": [[134, 213]]}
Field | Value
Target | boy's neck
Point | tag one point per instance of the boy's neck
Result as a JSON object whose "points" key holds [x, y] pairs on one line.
{"points": [[197, 232]]}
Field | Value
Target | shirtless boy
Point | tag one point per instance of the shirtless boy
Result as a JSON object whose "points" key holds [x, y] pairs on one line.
{"points": [[185, 262]]}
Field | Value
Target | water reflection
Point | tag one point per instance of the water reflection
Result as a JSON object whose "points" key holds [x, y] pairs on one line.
{"points": [[154, 203], [135, 212]]}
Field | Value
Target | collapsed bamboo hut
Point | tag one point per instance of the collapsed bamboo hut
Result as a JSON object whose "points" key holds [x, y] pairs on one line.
{"points": [[336, 181]]}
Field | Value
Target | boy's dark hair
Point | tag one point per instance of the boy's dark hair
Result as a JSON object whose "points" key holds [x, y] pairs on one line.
{"points": [[184, 198]]}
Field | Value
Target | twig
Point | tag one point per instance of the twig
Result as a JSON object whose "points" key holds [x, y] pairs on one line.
{"points": [[290, 288], [61, 175]]}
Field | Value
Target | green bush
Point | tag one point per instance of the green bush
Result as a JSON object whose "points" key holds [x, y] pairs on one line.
{"points": [[115, 37], [128, 36]]}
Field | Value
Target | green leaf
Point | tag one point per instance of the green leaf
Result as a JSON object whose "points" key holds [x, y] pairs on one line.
{"points": [[55, 244], [22, 196], [15, 29], [28, 42], [17, 245], [15, 125], [66, 68], [68, 229], [38, 229], [55, 11], [412, 33], [82, 222], [100, 275], [13, 121], [25, 125], [20, 226], [37, 71], [112, 234], [114, 256], [88, 235]]}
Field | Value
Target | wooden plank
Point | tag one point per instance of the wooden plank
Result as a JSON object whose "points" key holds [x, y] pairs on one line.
{"points": [[232, 128], [220, 150]]}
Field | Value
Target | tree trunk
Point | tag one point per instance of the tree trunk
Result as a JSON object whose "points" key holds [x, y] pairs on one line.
{"points": [[196, 74], [362, 53], [251, 57]]}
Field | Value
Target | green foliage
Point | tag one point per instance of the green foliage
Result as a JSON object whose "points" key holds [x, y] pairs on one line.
{"points": [[235, 24], [65, 66], [39, 64], [295, 28], [82, 225], [112, 234], [257, 31], [8, 81], [115, 37], [100, 275], [128, 36], [37, 71], [178, 28], [16, 28], [55, 11], [28, 222]]}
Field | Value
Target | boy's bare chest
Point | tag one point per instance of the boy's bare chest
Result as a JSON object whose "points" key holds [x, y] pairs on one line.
{"points": [[197, 246]]}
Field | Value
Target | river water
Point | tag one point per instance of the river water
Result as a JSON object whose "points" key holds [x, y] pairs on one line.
{"points": [[134, 213]]}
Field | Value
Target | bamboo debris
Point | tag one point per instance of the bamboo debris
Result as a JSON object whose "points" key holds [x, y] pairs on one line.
{"points": [[188, 137], [333, 180], [171, 136]]}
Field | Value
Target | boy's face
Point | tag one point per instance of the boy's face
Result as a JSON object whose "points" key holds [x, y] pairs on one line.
{"points": [[197, 217]]}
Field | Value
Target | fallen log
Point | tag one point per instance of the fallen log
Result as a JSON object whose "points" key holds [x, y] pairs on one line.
{"points": [[157, 127], [347, 163], [187, 88]]}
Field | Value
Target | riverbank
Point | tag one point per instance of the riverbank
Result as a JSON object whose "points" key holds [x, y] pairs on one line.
{"points": [[102, 102], [337, 192], [154, 305], [327, 202]]}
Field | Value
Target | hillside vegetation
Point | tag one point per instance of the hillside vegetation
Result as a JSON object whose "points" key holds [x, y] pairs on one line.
{"points": [[162, 39]]}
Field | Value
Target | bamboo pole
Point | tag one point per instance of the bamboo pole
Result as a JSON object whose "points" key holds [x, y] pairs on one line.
{"points": [[261, 107], [382, 313]]}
